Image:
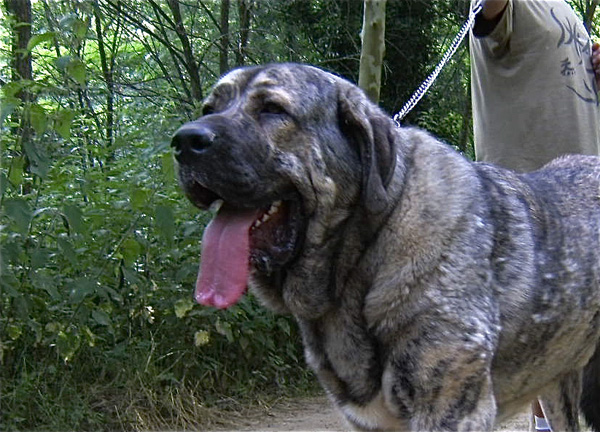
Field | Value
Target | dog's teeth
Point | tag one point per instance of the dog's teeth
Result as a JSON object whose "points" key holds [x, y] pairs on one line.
{"points": [[272, 210], [274, 207], [216, 205]]}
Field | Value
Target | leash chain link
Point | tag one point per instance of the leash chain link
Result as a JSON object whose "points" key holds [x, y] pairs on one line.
{"points": [[425, 85]]}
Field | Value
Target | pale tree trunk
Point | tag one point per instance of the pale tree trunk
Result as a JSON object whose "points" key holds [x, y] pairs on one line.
{"points": [[373, 48]]}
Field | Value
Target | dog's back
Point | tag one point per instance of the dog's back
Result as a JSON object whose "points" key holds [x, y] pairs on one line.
{"points": [[547, 278]]}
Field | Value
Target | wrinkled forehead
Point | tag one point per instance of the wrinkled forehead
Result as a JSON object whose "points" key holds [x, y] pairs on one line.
{"points": [[294, 80]]}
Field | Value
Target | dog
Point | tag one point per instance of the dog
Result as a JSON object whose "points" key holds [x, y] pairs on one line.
{"points": [[432, 293]]}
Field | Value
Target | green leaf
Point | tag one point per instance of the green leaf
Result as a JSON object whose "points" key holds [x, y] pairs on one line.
{"points": [[165, 221], [81, 288], [15, 175], [67, 344], [168, 166], [62, 123], [80, 28], [45, 282], [39, 163], [6, 109], [38, 39], [19, 211], [131, 250], [76, 69], [201, 337], [224, 328], [67, 249], [62, 63], [14, 331], [39, 118], [39, 258], [139, 198], [10, 90], [182, 307], [74, 217], [3, 183], [75, 25], [101, 317]]}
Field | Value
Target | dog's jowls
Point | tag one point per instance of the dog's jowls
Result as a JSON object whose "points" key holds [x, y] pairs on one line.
{"points": [[432, 293]]}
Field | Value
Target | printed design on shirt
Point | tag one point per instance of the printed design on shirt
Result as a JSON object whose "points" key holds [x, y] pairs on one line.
{"points": [[580, 53]]}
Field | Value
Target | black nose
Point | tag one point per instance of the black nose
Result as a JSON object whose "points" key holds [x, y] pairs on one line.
{"points": [[192, 139]]}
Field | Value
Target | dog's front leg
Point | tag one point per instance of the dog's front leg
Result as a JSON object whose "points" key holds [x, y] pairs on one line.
{"points": [[560, 403], [473, 408], [442, 392]]}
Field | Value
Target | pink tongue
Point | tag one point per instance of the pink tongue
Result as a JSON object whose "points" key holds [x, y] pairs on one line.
{"points": [[225, 262]]}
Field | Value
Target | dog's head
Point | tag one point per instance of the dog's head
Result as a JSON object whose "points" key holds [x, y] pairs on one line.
{"points": [[289, 152]]}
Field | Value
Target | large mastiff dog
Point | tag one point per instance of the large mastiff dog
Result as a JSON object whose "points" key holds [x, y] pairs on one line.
{"points": [[432, 293]]}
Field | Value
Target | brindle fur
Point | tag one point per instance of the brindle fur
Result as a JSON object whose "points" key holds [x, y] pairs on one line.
{"points": [[432, 293]]}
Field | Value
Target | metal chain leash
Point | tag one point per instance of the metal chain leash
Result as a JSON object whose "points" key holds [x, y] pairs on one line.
{"points": [[425, 85]]}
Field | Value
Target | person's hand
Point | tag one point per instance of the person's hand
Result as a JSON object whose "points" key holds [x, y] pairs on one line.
{"points": [[596, 63]]}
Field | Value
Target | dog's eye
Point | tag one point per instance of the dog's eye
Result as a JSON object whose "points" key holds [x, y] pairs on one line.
{"points": [[272, 108], [208, 109]]}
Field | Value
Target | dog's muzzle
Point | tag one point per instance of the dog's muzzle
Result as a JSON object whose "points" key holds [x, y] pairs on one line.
{"points": [[191, 140]]}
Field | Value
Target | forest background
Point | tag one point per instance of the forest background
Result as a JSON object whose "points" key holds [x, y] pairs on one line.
{"points": [[99, 250]]}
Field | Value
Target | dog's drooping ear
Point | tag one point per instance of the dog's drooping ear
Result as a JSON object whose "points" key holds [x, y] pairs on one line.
{"points": [[371, 131]]}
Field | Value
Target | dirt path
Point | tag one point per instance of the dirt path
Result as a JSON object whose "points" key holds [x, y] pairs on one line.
{"points": [[316, 414]]}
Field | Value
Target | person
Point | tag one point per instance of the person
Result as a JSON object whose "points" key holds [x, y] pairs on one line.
{"points": [[532, 83], [534, 80]]}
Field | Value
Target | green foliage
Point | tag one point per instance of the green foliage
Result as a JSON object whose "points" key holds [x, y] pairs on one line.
{"points": [[99, 250]]}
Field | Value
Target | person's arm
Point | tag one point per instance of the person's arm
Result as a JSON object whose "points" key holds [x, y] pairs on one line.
{"points": [[490, 15], [492, 9]]}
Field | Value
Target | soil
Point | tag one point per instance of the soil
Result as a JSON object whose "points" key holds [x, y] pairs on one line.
{"points": [[316, 414]]}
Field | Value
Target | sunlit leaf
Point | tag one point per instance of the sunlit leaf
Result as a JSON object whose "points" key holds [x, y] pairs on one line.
{"points": [[201, 337], [63, 121], [139, 198], [67, 344], [39, 118], [15, 175], [38, 39], [182, 307], [76, 69]]}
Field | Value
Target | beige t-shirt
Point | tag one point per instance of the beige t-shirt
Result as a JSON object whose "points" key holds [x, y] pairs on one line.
{"points": [[533, 88]]}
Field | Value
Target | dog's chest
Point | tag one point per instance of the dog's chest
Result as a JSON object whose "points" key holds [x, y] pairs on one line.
{"points": [[345, 357]]}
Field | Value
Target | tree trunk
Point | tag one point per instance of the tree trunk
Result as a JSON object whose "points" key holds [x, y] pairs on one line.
{"points": [[190, 62], [21, 69], [373, 48], [20, 10], [244, 17], [224, 39], [107, 73]]}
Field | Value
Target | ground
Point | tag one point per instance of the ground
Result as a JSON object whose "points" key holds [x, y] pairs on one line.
{"points": [[313, 414]]}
